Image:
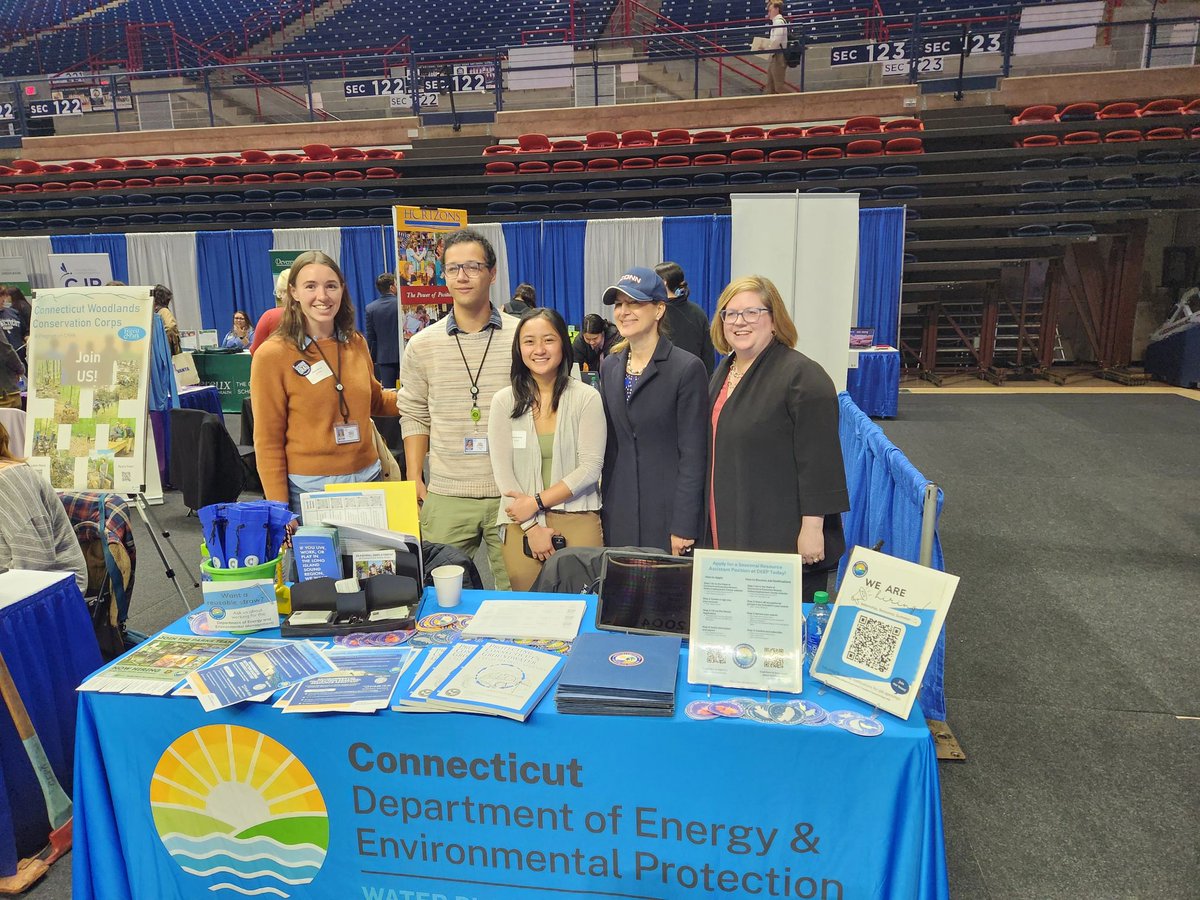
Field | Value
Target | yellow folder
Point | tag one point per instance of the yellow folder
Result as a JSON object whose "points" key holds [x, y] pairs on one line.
{"points": [[401, 503]]}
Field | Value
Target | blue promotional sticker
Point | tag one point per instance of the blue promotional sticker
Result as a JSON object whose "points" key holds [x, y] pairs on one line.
{"points": [[132, 333], [900, 686], [859, 569]]}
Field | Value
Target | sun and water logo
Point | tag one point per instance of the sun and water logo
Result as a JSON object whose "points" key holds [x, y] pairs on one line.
{"points": [[236, 810]]}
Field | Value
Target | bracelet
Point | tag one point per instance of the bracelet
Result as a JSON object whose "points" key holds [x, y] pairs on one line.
{"points": [[541, 505], [528, 523]]}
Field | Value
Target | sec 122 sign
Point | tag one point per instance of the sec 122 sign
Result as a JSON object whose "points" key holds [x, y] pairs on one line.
{"points": [[891, 51], [41, 109]]}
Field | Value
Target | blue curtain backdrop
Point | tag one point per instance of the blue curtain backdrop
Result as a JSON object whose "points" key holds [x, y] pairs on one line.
{"points": [[214, 267], [250, 272], [560, 284], [880, 261], [524, 242], [362, 260], [112, 244], [700, 245]]}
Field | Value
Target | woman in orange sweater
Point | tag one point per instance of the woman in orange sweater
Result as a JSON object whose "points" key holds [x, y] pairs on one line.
{"points": [[313, 388]]}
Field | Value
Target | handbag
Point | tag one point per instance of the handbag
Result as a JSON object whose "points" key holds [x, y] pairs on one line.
{"points": [[389, 469]]}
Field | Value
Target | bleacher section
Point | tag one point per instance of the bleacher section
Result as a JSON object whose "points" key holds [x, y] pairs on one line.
{"points": [[21, 16]]}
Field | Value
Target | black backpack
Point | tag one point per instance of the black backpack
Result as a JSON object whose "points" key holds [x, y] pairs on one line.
{"points": [[793, 54]]}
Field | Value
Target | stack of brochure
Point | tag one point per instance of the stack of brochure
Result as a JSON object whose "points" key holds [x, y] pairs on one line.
{"points": [[532, 620], [491, 678], [620, 675]]}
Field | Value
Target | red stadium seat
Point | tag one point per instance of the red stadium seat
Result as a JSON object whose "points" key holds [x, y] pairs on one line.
{"points": [[167, 162], [108, 163], [568, 165], [105, 184], [568, 145], [823, 131], [257, 157], [498, 149], [1192, 108], [286, 177], [286, 159], [55, 169], [1031, 115], [82, 186], [903, 125], [1122, 110], [1162, 108], [500, 167], [711, 136], [785, 156], [710, 159], [53, 186], [311, 176], [193, 161], [533, 167], [27, 188], [82, 165], [167, 181], [138, 183], [27, 166], [748, 133], [1039, 140], [226, 160], [862, 125], [348, 154], [380, 153], [377, 172], [5, 170], [1165, 134], [1123, 136], [534, 142], [346, 175], [256, 178], [864, 148], [673, 160], [904, 146], [138, 164], [603, 140], [6, 188], [669, 137], [602, 165], [1196, 132], [1082, 137], [747, 155], [226, 179], [824, 153], [318, 152], [1079, 112], [785, 132], [196, 179], [637, 162], [637, 137]]}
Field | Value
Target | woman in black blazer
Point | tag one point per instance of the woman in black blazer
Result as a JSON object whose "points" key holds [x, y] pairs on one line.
{"points": [[777, 480], [654, 399]]}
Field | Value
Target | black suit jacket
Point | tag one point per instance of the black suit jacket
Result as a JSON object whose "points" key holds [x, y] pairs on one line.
{"points": [[383, 330], [655, 460], [777, 456]]}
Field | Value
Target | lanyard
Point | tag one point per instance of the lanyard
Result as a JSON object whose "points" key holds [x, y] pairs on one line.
{"points": [[343, 407], [476, 415]]}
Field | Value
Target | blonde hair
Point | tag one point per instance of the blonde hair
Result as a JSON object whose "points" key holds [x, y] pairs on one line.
{"points": [[783, 329], [281, 286]]}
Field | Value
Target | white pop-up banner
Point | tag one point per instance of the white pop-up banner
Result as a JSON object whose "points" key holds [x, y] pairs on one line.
{"points": [[71, 270]]}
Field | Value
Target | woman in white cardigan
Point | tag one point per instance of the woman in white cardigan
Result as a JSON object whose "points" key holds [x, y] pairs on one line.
{"points": [[546, 436]]}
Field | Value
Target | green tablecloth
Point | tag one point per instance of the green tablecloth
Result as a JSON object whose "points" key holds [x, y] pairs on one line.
{"points": [[229, 373]]}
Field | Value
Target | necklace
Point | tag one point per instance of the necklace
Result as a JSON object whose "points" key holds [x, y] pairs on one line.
{"points": [[734, 375]]}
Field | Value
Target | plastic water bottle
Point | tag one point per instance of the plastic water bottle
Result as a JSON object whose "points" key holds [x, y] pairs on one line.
{"points": [[814, 626]]}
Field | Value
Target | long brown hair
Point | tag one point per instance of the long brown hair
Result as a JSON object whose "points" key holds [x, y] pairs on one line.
{"points": [[292, 324], [5, 450]]}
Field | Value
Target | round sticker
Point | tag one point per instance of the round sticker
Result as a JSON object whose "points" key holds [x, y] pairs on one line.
{"points": [[626, 658]]}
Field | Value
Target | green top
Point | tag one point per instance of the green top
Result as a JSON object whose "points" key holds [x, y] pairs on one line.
{"points": [[546, 443]]}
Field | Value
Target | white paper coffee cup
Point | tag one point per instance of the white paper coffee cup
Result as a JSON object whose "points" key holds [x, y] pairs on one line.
{"points": [[447, 582]]}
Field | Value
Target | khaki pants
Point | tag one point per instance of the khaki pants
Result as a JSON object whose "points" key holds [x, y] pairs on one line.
{"points": [[464, 522], [776, 74], [581, 529]]}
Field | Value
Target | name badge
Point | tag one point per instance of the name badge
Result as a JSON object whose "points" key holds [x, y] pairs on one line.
{"points": [[319, 373], [345, 434], [475, 445], [519, 440]]}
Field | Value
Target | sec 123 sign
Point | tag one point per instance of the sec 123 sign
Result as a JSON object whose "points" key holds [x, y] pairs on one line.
{"points": [[893, 51]]}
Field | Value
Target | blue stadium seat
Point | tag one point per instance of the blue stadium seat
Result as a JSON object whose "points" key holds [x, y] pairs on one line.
{"points": [[708, 179], [1162, 157], [1038, 162], [198, 218], [352, 212], [746, 178], [637, 184], [318, 193], [168, 219], [229, 217], [1037, 208], [1119, 183], [141, 219], [567, 187], [1077, 184], [603, 204], [498, 189], [1036, 187], [84, 222], [1075, 228], [379, 194], [534, 209], [1160, 181], [197, 199], [568, 208], [29, 205], [6, 205], [65, 223], [168, 200], [503, 208], [1033, 231], [823, 189], [710, 202], [865, 193], [861, 172], [634, 205], [256, 195], [1126, 203], [901, 192], [901, 171], [345, 193], [289, 215], [228, 198], [602, 186], [319, 213], [1119, 159], [288, 196], [112, 220], [56, 204], [1078, 162], [533, 187], [672, 203], [781, 177], [822, 175], [84, 201], [672, 183], [1082, 206], [259, 216], [32, 224]]}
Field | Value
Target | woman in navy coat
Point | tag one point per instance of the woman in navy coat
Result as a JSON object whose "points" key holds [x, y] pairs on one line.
{"points": [[655, 400]]}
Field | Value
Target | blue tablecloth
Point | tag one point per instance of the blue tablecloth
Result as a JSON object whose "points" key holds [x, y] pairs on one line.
{"points": [[455, 805], [875, 384], [49, 646]]}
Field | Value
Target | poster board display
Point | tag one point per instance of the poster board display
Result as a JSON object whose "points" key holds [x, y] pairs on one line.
{"points": [[89, 362], [883, 629], [80, 269], [12, 272], [420, 279]]}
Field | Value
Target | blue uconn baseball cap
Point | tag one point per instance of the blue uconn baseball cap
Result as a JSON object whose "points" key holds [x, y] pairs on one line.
{"points": [[640, 284]]}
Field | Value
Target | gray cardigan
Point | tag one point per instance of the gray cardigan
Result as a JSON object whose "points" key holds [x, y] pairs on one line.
{"points": [[579, 438]]}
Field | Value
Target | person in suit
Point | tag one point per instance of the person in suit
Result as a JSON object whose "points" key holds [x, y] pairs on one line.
{"points": [[654, 398], [383, 330], [778, 484]]}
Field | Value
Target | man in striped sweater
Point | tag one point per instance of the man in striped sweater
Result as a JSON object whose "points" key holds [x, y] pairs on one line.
{"points": [[448, 375]]}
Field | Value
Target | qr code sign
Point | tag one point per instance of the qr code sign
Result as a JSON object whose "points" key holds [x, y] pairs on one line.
{"points": [[873, 644], [716, 656]]}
